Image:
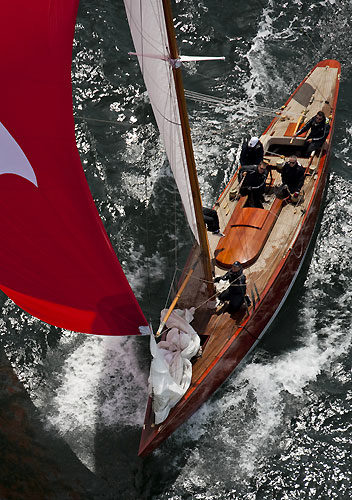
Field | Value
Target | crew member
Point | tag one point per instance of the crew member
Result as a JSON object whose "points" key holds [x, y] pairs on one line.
{"points": [[236, 292], [252, 152], [292, 176], [253, 185], [211, 220], [319, 130]]}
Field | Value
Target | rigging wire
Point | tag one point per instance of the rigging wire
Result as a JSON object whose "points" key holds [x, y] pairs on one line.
{"points": [[310, 39], [241, 109], [147, 242], [97, 120], [217, 101], [175, 249], [171, 288]]}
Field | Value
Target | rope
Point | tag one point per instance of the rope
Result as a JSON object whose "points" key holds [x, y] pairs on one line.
{"points": [[88, 119], [311, 41], [216, 101], [242, 111], [196, 96]]}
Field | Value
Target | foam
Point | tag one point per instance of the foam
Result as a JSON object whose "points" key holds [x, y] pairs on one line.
{"points": [[100, 385]]}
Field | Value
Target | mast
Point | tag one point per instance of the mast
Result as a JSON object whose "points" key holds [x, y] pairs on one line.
{"points": [[186, 133]]}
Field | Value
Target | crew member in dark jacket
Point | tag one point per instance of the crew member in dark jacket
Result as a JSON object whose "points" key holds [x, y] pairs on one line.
{"points": [[253, 185], [211, 220], [319, 130], [236, 291], [252, 152], [292, 176], [244, 170]]}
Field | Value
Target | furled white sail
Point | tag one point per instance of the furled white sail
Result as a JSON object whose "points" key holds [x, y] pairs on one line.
{"points": [[148, 29], [171, 368]]}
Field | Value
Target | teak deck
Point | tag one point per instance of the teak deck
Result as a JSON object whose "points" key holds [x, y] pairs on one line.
{"points": [[271, 243]]}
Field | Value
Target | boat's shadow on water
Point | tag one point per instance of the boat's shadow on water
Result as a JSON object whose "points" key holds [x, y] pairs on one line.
{"points": [[116, 451], [36, 464], [129, 476]]}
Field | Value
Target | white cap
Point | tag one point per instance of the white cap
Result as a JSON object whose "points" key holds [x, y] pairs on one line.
{"points": [[253, 142]]}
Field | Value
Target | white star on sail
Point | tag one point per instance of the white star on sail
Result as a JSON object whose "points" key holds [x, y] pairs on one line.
{"points": [[12, 158]]}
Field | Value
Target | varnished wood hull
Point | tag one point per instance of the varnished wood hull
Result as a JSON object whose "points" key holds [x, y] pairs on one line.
{"points": [[232, 339]]}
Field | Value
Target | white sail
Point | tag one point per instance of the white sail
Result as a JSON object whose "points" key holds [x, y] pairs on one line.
{"points": [[148, 29]]}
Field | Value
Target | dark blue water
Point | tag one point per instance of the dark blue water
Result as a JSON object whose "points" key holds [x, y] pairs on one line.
{"points": [[72, 405]]}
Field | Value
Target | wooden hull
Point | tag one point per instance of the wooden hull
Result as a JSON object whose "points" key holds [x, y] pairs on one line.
{"points": [[271, 276]]}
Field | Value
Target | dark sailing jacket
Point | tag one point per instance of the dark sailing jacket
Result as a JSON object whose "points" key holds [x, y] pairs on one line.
{"points": [[237, 282], [318, 131], [251, 156], [255, 181], [293, 177]]}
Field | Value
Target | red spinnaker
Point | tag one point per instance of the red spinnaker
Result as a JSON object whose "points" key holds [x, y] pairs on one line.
{"points": [[56, 261]]}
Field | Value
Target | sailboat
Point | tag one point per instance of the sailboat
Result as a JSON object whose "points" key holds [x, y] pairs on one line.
{"points": [[57, 262], [270, 242]]}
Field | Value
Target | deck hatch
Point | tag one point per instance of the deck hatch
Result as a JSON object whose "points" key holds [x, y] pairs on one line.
{"points": [[252, 217]]}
